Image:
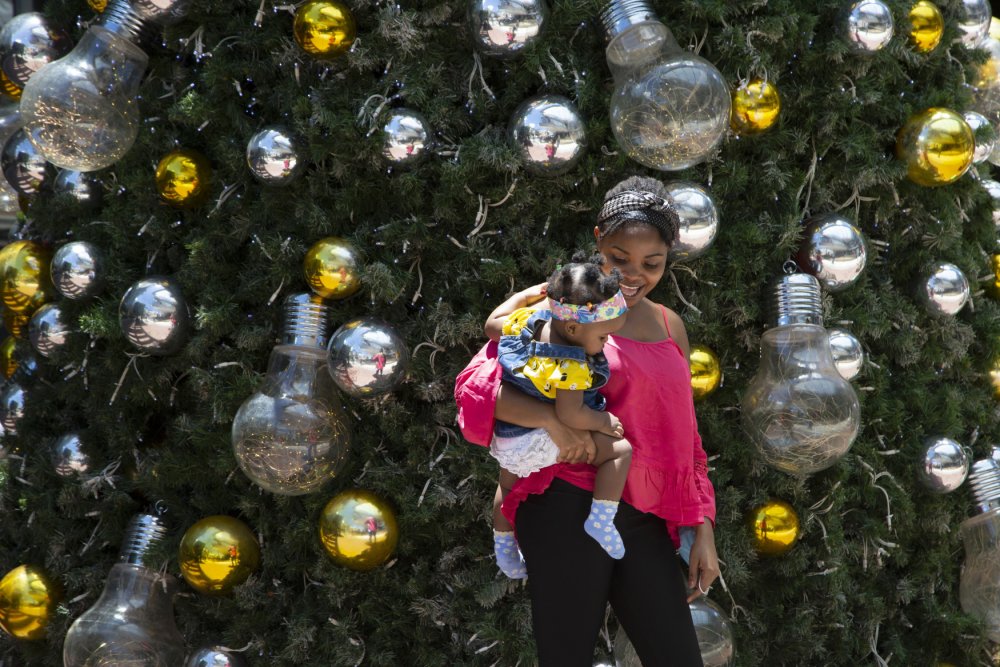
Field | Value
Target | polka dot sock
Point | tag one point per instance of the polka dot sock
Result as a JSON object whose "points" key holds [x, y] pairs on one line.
{"points": [[601, 526], [508, 555]]}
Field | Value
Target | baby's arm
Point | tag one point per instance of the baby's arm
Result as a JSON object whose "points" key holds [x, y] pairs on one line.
{"points": [[571, 411], [522, 299]]}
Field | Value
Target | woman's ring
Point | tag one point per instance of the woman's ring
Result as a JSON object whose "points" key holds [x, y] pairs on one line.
{"points": [[703, 591]]}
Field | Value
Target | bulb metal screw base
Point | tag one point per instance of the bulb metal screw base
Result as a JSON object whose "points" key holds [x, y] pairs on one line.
{"points": [[138, 20], [797, 300], [620, 15], [307, 321], [145, 531], [985, 482]]}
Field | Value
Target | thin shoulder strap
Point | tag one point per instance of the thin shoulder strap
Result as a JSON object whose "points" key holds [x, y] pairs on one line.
{"points": [[666, 321]]}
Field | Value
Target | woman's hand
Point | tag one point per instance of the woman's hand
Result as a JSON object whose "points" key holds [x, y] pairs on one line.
{"points": [[703, 567], [532, 295], [575, 446]]}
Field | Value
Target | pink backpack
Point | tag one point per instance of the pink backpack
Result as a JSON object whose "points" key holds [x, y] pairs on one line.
{"points": [[476, 389]]}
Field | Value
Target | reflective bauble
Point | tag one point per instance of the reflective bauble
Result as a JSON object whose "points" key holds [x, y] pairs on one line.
{"points": [[217, 554], [774, 528], [985, 79], [24, 168], [8, 360], [504, 28], [358, 529], [974, 22], [324, 29], [926, 26], [848, 355], [154, 315], [183, 178], [993, 288], [161, 12], [945, 290], [332, 268], [28, 599], [78, 269], [82, 186], [406, 137], [867, 26], [68, 456], [215, 656], [756, 105], [273, 156], [994, 372], [699, 220], [16, 323], [993, 189], [715, 637], [97, 5], [944, 464], [706, 371], [549, 135], [11, 93], [985, 136], [833, 250], [48, 329], [367, 357], [10, 122], [12, 398], [29, 42], [25, 283], [937, 146]]}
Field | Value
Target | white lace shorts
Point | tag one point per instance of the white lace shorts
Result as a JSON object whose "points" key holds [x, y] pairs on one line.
{"points": [[525, 454]]}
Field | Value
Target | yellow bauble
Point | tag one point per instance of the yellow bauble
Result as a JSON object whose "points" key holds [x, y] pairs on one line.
{"points": [[16, 324], [97, 5], [774, 527], [183, 178], [324, 29], [926, 26], [27, 600], [756, 105], [8, 364], [995, 28], [993, 289], [331, 268], [9, 88], [937, 146], [25, 284], [995, 376], [358, 529], [217, 554], [706, 371]]}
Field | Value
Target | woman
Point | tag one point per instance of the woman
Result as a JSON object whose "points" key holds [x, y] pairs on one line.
{"points": [[570, 578]]}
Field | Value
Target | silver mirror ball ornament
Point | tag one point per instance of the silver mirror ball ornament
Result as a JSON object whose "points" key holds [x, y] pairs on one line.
{"points": [[367, 357], [273, 156], [504, 28], [993, 188], [23, 166], [406, 137], [945, 290], [12, 398], [549, 134], [699, 220], [867, 26], [29, 42], [974, 22], [848, 355], [10, 122], [833, 250], [77, 270], [986, 143], [48, 330], [214, 656], [85, 188], [944, 464], [154, 316], [712, 628], [163, 12], [68, 456]]}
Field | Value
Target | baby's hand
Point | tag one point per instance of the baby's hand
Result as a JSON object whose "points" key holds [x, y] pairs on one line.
{"points": [[614, 427]]}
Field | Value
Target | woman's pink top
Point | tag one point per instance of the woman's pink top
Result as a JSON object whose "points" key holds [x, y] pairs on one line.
{"points": [[650, 392]]}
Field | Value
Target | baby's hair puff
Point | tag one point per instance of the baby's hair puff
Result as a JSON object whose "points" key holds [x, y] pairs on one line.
{"points": [[582, 282]]}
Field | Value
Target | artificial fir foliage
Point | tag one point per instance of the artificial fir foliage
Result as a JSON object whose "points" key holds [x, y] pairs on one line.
{"points": [[874, 577]]}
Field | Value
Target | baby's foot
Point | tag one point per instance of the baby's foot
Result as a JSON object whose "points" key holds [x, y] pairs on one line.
{"points": [[601, 526], [508, 555]]}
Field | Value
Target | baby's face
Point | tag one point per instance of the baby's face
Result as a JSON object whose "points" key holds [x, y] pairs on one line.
{"points": [[592, 337]]}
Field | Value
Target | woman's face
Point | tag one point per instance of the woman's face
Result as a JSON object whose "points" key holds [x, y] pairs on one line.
{"points": [[639, 253]]}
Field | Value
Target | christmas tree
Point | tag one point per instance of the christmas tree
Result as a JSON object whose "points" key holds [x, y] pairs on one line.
{"points": [[442, 233]]}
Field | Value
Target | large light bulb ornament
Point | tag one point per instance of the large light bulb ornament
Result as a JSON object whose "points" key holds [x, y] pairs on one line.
{"points": [[291, 436], [979, 587], [799, 412], [81, 111], [669, 107]]}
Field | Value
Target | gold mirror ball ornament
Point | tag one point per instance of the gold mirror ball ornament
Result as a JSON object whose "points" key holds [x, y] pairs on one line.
{"points": [[9, 89], [97, 5], [16, 324], [183, 178], [756, 105], [324, 29], [774, 528], [993, 288], [706, 371], [8, 364], [25, 283], [995, 376], [926, 26], [217, 554], [331, 268], [937, 146], [358, 529], [27, 601]]}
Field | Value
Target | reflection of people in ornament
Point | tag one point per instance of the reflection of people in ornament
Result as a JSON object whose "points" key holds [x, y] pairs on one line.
{"points": [[234, 554], [556, 355], [667, 489], [372, 527], [379, 360]]}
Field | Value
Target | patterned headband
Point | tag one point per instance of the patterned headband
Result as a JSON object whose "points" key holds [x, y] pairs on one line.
{"points": [[631, 200], [589, 313]]}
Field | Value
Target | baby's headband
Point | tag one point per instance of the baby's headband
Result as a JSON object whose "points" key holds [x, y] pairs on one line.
{"points": [[589, 313]]}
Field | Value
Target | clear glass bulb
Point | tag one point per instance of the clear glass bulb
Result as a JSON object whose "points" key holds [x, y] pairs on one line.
{"points": [[132, 623], [669, 108], [979, 587], [290, 437], [798, 410]]}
